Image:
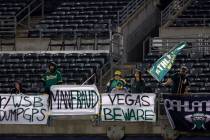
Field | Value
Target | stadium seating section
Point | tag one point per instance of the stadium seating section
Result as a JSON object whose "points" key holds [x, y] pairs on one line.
{"points": [[29, 67], [196, 14], [9, 9], [80, 17]]}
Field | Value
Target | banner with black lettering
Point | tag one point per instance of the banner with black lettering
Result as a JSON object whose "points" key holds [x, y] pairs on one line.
{"points": [[23, 109], [128, 107], [75, 100], [188, 113]]}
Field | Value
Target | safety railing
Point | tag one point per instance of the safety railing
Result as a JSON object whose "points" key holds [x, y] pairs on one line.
{"points": [[192, 22], [28, 10], [129, 10], [172, 10], [68, 40], [200, 44]]}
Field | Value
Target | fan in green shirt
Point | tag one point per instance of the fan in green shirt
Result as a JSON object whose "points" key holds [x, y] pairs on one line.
{"points": [[116, 83], [51, 77]]}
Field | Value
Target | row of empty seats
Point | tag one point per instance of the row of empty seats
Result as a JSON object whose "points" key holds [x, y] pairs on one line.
{"points": [[196, 14], [8, 12], [11, 7], [83, 16], [66, 42], [29, 67]]}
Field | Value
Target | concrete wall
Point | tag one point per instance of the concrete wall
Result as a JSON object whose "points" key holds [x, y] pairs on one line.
{"points": [[84, 126], [137, 28], [41, 44], [31, 44], [76, 126]]}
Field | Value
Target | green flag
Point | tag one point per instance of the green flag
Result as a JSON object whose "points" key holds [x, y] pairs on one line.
{"points": [[161, 67]]}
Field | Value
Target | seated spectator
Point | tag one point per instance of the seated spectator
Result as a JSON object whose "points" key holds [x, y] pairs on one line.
{"points": [[18, 89], [138, 84], [116, 83], [51, 77]]}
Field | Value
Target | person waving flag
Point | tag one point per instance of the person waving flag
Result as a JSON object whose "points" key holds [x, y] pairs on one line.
{"points": [[161, 67]]}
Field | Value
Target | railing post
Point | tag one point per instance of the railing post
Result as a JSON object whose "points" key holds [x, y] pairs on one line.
{"points": [[110, 37], [15, 25], [40, 34], [95, 42], [29, 16], [118, 18], [150, 45], [100, 78], [78, 43], [43, 4], [161, 18], [204, 21]]}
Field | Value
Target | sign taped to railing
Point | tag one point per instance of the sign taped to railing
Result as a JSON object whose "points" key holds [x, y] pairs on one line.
{"points": [[128, 107], [23, 109], [75, 100]]}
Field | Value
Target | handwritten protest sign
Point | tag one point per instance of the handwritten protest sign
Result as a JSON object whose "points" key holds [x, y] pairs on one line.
{"points": [[128, 107], [23, 109], [75, 100]]}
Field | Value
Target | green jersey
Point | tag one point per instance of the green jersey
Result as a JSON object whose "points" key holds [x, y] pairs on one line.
{"points": [[51, 79], [113, 83]]}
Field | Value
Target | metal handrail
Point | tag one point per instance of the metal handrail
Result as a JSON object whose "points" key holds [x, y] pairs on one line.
{"points": [[88, 79], [129, 10], [6, 16], [171, 10], [25, 7], [30, 13], [197, 44], [203, 20]]}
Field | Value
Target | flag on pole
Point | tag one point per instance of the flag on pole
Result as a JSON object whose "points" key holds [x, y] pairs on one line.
{"points": [[161, 67]]}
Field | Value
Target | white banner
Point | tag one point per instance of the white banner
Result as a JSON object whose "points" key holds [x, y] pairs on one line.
{"points": [[75, 100], [23, 109], [128, 107]]}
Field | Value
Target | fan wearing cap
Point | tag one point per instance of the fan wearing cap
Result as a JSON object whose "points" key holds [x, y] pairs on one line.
{"points": [[179, 81], [51, 77], [116, 83]]}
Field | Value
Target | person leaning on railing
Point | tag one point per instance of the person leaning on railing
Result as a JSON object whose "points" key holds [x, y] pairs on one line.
{"points": [[179, 82]]}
